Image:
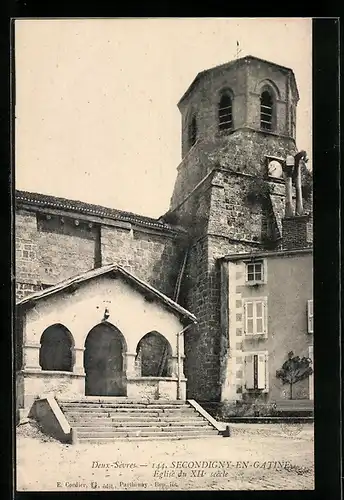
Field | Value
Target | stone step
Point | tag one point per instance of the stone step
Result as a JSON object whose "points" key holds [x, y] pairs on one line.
{"points": [[121, 414], [128, 408], [135, 423], [130, 416], [143, 433], [114, 400], [125, 402], [140, 429], [174, 437]]}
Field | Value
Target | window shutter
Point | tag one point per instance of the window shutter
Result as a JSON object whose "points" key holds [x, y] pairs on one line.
{"points": [[265, 317], [261, 371], [310, 316], [249, 372]]}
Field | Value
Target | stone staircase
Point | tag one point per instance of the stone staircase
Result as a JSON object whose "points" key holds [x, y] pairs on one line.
{"points": [[106, 420]]}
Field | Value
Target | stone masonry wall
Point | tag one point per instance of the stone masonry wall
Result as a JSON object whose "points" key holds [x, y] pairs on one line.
{"points": [[242, 151], [203, 343], [154, 258], [49, 251]]}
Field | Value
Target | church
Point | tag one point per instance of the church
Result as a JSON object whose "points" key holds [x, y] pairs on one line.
{"points": [[203, 303]]}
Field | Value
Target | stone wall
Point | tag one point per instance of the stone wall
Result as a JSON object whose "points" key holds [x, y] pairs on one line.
{"points": [[49, 250], [152, 257], [202, 297], [243, 151]]}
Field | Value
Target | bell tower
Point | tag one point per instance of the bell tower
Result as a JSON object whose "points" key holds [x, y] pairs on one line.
{"points": [[236, 115], [238, 127]]}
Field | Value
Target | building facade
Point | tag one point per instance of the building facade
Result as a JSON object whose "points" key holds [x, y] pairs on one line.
{"points": [[242, 190]]}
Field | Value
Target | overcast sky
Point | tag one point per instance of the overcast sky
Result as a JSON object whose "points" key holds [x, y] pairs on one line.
{"points": [[96, 114]]}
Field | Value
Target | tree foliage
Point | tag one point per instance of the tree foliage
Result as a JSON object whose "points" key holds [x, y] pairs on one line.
{"points": [[293, 370]]}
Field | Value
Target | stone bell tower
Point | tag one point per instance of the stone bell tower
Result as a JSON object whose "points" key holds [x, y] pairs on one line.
{"points": [[238, 125], [236, 114]]}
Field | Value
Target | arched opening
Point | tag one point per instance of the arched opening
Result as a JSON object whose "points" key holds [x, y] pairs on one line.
{"points": [[225, 112], [103, 361], [56, 351], [193, 131], [153, 355], [266, 110]]}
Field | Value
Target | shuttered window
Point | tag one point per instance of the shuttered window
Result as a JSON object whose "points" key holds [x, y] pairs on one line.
{"points": [[255, 317], [310, 315], [266, 111], [256, 371]]}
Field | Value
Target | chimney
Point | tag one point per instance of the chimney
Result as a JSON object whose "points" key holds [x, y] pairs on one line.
{"points": [[296, 232]]}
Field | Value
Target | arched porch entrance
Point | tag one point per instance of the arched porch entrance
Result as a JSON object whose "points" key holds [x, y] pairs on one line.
{"points": [[103, 361]]}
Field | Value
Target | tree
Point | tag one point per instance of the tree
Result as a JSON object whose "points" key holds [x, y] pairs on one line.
{"points": [[293, 370]]}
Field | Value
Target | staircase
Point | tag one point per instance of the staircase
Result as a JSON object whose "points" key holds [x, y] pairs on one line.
{"points": [[106, 420]]}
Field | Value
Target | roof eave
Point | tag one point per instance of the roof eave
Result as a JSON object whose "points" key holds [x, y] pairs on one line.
{"points": [[112, 268]]}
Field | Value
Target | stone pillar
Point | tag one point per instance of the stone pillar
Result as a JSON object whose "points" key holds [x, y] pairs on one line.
{"points": [[79, 360], [298, 188], [31, 356], [288, 173], [129, 364], [173, 366]]}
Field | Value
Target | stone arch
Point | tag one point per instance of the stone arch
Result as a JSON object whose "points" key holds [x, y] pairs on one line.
{"points": [[270, 86], [105, 348], [153, 355], [56, 351]]}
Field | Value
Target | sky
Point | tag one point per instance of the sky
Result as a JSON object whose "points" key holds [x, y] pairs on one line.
{"points": [[96, 99]]}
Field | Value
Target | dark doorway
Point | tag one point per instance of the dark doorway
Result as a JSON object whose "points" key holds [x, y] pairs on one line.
{"points": [[103, 362]]}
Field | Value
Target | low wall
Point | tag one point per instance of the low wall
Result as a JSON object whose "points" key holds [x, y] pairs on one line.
{"points": [[31, 384], [155, 388], [51, 419]]}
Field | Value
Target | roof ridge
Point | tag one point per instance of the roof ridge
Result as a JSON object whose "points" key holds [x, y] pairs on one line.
{"points": [[91, 208]]}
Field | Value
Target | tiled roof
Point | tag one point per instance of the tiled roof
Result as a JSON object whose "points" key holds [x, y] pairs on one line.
{"points": [[101, 271], [80, 207]]}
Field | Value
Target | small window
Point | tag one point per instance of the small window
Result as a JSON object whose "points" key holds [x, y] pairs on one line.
{"points": [[255, 317], [266, 110], [256, 371], [193, 131], [310, 315], [254, 272], [225, 113]]}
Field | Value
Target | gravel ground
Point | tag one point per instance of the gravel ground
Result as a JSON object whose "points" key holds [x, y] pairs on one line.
{"points": [[255, 457]]}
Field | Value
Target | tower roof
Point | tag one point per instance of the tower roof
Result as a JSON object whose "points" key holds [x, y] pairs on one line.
{"points": [[234, 63]]}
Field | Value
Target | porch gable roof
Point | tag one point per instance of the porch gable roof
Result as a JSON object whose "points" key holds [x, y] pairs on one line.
{"points": [[115, 271]]}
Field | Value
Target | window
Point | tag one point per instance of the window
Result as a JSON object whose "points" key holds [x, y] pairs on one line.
{"points": [[225, 113], [256, 371], [254, 272], [255, 317], [193, 131], [266, 110], [310, 316]]}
